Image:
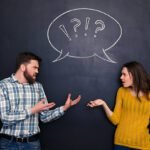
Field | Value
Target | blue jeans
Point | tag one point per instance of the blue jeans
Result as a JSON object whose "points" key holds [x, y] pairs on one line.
{"points": [[118, 147], [6, 144]]}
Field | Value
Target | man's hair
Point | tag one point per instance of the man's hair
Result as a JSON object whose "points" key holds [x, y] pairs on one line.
{"points": [[141, 79], [26, 57]]}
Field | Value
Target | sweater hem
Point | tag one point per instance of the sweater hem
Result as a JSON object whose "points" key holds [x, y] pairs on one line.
{"points": [[132, 146]]}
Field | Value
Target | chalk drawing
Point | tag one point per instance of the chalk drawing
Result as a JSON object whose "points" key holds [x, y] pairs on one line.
{"points": [[63, 29], [78, 23], [84, 33], [100, 28], [87, 25]]}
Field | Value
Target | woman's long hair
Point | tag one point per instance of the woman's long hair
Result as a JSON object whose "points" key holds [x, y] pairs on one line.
{"points": [[141, 79]]}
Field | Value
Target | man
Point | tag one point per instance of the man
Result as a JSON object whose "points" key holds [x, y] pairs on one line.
{"points": [[22, 102]]}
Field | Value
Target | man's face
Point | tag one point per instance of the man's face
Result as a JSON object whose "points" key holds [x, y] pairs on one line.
{"points": [[31, 71]]}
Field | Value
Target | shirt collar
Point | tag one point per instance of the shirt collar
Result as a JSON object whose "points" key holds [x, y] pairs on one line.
{"points": [[13, 78]]}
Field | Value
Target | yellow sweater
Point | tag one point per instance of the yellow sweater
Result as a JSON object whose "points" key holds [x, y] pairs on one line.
{"points": [[132, 119]]}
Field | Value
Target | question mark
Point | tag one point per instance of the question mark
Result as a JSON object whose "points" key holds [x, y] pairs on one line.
{"points": [[76, 25], [102, 27]]}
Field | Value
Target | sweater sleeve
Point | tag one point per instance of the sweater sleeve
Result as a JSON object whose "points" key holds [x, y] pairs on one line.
{"points": [[115, 117]]}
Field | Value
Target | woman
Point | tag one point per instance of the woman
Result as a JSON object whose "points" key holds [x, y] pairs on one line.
{"points": [[132, 109]]}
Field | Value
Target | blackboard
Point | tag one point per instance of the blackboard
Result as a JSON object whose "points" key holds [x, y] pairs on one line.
{"points": [[83, 44]]}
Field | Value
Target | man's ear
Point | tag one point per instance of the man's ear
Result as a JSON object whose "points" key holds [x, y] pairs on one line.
{"points": [[22, 67]]}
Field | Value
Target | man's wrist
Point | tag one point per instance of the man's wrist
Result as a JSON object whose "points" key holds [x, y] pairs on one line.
{"points": [[63, 108], [33, 111]]}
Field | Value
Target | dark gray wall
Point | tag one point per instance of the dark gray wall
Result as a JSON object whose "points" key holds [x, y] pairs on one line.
{"points": [[23, 27]]}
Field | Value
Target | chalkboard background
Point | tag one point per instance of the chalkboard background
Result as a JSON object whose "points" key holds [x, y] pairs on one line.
{"points": [[23, 27]]}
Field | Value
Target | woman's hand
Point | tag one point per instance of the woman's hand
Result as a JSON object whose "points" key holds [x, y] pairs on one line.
{"points": [[95, 103]]}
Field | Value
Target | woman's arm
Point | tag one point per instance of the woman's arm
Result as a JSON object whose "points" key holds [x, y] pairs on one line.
{"points": [[100, 102]]}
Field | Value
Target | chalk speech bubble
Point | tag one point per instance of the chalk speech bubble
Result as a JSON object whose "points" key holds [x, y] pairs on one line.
{"points": [[84, 33]]}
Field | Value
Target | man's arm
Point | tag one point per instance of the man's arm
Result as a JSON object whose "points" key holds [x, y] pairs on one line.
{"points": [[10, 117], [54, 114]]}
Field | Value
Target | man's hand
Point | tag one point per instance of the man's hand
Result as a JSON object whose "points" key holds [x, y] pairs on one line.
{"points": [[69, 102], [41, 106]]}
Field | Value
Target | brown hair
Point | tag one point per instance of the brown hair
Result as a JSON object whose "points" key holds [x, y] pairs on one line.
{"points": [[141, 79], [26, 57]]}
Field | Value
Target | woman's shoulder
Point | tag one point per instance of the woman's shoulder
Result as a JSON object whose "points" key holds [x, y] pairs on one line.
{"points": [[122, 89]]}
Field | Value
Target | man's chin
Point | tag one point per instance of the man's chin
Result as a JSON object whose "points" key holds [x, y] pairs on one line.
{"points": [[31, 81], [34, 78]]}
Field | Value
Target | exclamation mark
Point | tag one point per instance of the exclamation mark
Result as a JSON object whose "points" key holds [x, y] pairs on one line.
{"points": [[86, 25], [63, 29]]}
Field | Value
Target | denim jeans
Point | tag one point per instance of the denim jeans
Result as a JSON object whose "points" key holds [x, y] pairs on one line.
{"points": [[6, 144], [118, 147]]}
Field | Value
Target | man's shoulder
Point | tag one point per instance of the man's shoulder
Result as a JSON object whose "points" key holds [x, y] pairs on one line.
{"points": [[5, 80]]}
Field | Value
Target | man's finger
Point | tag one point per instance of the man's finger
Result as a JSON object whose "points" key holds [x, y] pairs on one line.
{"points": [[69, 96]]}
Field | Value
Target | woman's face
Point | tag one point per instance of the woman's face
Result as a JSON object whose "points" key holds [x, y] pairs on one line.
{"points": [[126, 78]]}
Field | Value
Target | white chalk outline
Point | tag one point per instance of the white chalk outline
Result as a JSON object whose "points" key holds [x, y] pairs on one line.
{"points": [[104, 50], [76, 25]]}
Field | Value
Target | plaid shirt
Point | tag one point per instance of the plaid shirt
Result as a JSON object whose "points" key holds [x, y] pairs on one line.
{"points": [[16, 101]]}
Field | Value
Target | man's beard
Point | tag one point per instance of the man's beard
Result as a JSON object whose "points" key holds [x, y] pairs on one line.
{"points": [[28, 77]]}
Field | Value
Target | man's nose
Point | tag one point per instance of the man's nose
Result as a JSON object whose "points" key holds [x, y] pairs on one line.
{"points": [[37, 71]]}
